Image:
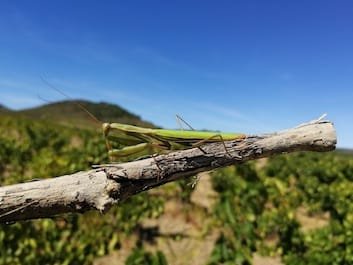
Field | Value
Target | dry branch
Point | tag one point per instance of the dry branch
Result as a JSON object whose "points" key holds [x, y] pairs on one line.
{"points": [[105, 185]]}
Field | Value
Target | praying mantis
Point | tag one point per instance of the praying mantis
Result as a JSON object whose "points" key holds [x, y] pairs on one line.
{"points": [[139, 140]]}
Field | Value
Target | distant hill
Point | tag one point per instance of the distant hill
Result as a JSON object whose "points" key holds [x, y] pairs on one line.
{"points": [[69, 113], [344, 151], [3, 108]]}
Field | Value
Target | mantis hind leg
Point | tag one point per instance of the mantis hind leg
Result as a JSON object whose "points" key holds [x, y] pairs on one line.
{"points": [[180, 120], [203, 141]]}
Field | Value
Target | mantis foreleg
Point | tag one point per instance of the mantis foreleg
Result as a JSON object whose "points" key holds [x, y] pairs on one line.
{"points": [[135, 149], [128, 150]]}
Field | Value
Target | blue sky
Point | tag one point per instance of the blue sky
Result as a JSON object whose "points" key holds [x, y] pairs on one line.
{"points": [[245, 66]]}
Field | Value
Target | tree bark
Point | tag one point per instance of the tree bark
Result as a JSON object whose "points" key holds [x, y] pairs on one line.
{"points": [[106, 185]]}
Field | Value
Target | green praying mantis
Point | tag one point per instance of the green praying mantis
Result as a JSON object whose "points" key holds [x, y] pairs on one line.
{"points": [[139, 140]]}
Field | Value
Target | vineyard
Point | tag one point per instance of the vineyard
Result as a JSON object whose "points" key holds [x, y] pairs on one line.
{"points": [[294, 209]]}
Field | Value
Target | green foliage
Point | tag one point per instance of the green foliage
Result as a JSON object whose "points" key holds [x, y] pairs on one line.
{"points": [[187, 186], [38, 150], [141, 257], [241, 198], [257, 210], [325, 184]]}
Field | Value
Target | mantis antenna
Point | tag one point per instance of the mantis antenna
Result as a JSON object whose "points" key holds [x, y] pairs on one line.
{"points": [[67, 96]]}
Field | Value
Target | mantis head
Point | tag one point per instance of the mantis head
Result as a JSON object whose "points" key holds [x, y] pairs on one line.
{"points": [[106, 129]]}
